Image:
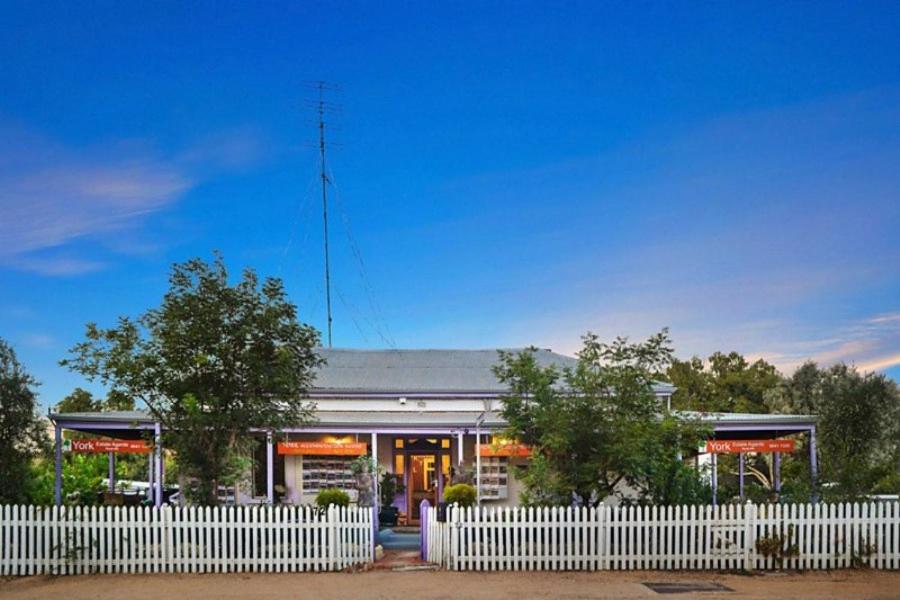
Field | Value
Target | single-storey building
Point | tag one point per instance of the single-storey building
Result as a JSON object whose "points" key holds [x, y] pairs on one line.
{"points": [[419, 413]]}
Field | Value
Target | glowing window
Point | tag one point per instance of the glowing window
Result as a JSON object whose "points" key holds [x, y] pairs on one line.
{"points": [[445, 443], [398, 464], [398, 443]]}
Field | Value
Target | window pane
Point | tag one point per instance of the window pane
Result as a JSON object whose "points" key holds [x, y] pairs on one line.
{"points": [[445, 443], [398, 464], [398, 443]]}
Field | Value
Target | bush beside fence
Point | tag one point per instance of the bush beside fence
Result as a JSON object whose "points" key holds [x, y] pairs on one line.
{"points": [[36, 540], [728, 537]]}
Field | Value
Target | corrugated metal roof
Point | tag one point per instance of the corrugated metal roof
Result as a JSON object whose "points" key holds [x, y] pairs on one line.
{"points": [[417, 418], [410, 371], [124, 416], [749, 418], [423, 371], [407, 418]]}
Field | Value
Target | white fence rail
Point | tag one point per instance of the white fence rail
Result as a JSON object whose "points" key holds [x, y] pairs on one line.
{"points": [[730, 537], [38, 540]]}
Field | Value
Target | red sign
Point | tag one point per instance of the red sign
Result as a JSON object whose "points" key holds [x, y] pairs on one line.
{"points": [[104, 446], [738, 446], [517, 450], [323, 448]]}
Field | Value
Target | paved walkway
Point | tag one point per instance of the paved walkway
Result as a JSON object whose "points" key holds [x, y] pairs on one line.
{"points": [[433, 585], [403, 560], [400, 539]]}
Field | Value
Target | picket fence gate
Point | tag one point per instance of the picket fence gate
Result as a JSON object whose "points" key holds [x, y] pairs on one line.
{"points": [[41, 540], [726, 537]]}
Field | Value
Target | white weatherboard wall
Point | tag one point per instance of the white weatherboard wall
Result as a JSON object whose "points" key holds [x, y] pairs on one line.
{"points": [[729, 537], [37, 540]]}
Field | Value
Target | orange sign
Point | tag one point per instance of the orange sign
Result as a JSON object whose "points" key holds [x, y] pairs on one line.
{"points": [[517, 450], [323, 448], [104, 446], [738, 446]]}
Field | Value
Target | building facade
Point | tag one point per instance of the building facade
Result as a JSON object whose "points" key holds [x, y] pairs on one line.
{"points": [[423, 415]]}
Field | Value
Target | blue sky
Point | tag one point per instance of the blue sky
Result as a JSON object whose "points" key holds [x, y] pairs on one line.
{"points": [[510, 173]]}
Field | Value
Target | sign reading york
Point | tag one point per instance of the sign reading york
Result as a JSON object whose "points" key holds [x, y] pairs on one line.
{"points": [[738, 446], [103, 446]]}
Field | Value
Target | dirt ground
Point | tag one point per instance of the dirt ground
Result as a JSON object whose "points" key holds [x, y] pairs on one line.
{"points": [[843, 585]]}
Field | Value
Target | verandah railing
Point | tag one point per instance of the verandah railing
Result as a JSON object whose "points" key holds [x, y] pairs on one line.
{"points": [[726, 537], [37, 540]]}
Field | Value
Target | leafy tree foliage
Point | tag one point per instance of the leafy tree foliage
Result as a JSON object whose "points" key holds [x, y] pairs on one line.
{"points": [[599, 424], [725, 383], [211, 363], [82, 480], [82, 475], [23, 433], [80, 400], [858, 418], [798, 394]]}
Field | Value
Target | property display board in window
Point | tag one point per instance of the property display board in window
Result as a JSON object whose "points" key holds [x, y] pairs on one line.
{"points": [[494, 478], [322, 472]]}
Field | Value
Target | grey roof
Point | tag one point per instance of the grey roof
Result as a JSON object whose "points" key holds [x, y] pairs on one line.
{"points": [[411, 371], [422, 371], [399, 418], [116, 416], [407, 418], [749, 418], [426, 418]]}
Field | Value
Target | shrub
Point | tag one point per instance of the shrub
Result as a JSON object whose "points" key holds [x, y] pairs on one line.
{"points": [[462, 494], [391, 485], [329, 496]]}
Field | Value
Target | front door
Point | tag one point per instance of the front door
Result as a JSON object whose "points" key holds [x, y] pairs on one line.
{"points": [[422, 482]]}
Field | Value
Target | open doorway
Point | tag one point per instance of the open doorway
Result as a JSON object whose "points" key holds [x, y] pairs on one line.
{"points": [[423, 484], [425, 463]]}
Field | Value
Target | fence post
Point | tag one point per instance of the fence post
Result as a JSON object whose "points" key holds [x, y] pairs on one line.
{"points": [[749, 537], [332, 537], [424, 505]]}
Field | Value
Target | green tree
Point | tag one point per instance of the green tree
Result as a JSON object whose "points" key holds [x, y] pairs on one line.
{"points": [[859, 446], [725, 383], [82, 480], [80, 474], [23, 433], [797, 394], [598, 424], [858, 425], [211, 363], [79, 400]]}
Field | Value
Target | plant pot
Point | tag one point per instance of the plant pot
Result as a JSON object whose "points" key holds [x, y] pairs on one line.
{"points": [[387, 516]]}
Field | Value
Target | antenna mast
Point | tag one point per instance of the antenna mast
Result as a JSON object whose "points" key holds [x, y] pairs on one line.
{"points": [[325, 182]]}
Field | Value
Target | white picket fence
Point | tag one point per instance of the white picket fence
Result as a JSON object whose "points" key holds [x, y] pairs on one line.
{"points": [[37, 540], [730, 537]]}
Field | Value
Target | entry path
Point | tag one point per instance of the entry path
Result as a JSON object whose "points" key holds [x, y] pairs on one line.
{"points": [[373, 585]]}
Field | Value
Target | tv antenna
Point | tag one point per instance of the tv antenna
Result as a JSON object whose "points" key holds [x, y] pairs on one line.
{"points": [[321, 107]]}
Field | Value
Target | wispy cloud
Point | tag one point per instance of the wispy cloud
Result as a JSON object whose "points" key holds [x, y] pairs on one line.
{"points": [[53, 195], [39, 340], [879, 364], [772, 233]]}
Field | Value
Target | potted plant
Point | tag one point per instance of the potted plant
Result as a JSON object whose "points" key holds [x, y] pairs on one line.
{"points": [[391, 485], [365, 471]]}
